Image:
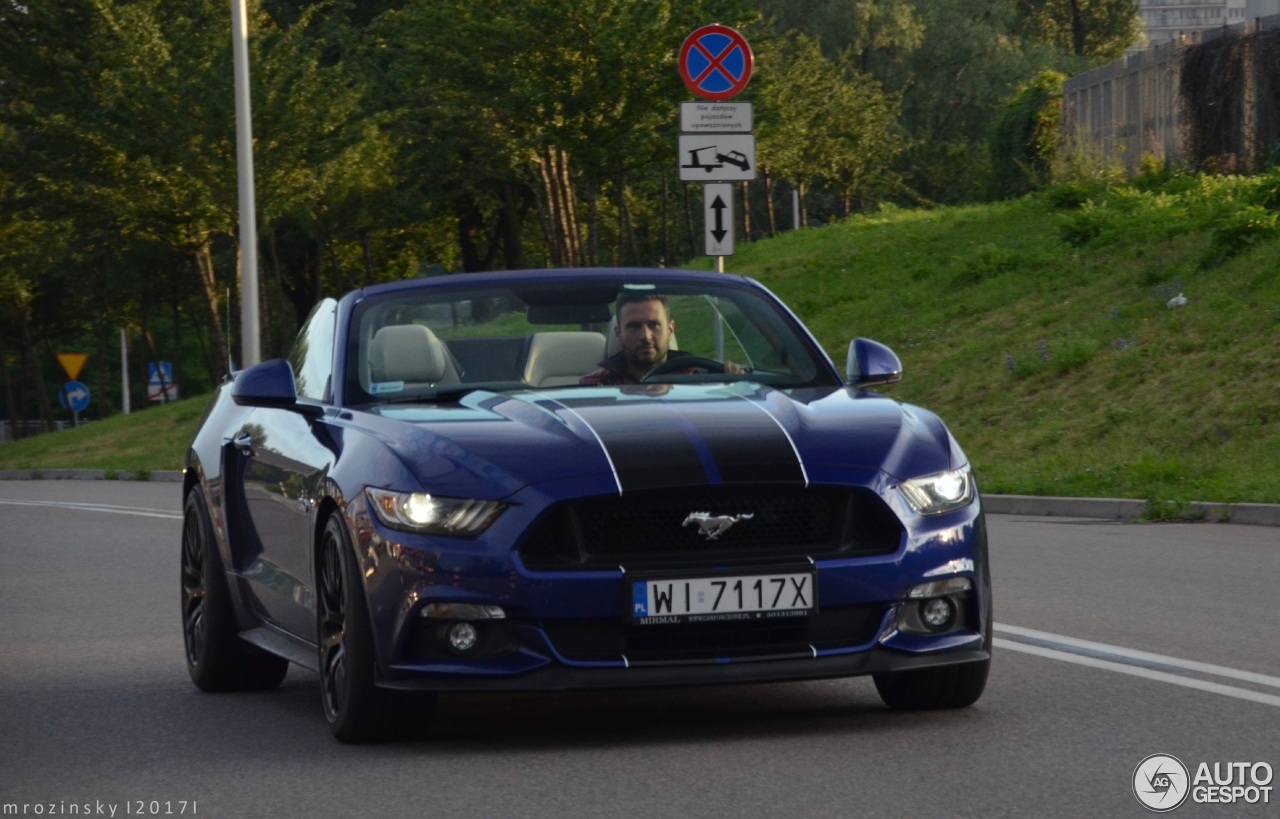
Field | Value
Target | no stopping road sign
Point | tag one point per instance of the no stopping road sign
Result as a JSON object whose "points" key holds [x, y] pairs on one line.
{"points": [[715, 62]]}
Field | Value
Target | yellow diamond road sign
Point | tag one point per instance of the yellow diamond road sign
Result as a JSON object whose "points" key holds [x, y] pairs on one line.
{"points": [[73, 363]]}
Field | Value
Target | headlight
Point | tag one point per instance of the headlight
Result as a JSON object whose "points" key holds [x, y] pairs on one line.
{"points": [[420, 512], [943, 492]]}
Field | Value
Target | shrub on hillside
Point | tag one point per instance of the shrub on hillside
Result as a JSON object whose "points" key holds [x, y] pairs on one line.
{"points": [[1239, 231], [1025, 137], [1079, 229], [1073, 193]]}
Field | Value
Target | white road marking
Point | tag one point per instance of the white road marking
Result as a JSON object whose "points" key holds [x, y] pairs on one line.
{"points": [[99, 507], [1159, 667]]}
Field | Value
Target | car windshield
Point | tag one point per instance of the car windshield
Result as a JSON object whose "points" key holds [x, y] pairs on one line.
{"points": [[433, 343]]}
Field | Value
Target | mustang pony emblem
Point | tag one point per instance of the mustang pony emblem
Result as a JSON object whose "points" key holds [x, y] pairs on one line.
{"points": [[712, 527]]}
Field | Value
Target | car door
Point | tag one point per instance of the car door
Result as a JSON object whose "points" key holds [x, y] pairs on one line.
{"points": [[284, 456]]}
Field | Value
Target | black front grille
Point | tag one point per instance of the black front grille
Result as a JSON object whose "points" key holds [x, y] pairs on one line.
{"points": [[587, 640], [641, 530]]}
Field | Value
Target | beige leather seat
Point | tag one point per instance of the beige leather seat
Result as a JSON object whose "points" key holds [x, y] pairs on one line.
{"points": [[410, 353], [559, 358]]}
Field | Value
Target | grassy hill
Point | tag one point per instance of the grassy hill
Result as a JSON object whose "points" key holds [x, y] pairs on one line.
{"points": [[1038, 328], [153, 439]]}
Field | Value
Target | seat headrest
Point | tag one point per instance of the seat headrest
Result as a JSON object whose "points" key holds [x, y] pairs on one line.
{"points": [[560, 358], [407, 352]]}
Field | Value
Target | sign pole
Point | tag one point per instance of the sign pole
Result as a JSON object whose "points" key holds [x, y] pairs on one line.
{"points": [[124, 370], [719, 318]]}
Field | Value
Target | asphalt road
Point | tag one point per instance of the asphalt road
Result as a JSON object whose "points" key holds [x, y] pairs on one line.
{"points": [[1115, 642]]}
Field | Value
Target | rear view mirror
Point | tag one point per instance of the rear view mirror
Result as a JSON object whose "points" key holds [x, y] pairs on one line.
{"points": [[568, 313]]}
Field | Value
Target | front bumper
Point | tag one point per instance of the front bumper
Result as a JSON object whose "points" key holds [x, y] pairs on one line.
{"points": [[565, 678], [542, 607]]}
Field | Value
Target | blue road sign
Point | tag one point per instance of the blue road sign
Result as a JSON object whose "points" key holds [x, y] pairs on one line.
{"points": [[153, 373], [74, 396], [160, 386]]}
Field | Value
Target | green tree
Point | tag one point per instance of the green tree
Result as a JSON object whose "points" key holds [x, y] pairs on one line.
{"points": [[877, 35], [868, 138], [1025, 137], [326, 165], [824, 120], [124, 123], [1096, 30], [511, 102], [794, 131], [971, 60]]}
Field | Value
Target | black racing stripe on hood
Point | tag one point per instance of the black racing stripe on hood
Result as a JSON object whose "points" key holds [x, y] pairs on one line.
{"points": [[746, 444], [659, 444], [649, 448]]}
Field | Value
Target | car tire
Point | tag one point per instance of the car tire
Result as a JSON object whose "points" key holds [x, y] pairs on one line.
{"points": [[357, 710], [950, 686], [217, 659]]}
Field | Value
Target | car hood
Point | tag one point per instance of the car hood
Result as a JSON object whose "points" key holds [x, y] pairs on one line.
{"points": [[639, 437]]}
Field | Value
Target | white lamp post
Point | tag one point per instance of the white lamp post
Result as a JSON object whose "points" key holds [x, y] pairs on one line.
{"points": [[250, 346]]}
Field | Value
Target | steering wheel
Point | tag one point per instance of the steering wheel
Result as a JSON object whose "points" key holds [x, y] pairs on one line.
{"points": [[685, 362]]}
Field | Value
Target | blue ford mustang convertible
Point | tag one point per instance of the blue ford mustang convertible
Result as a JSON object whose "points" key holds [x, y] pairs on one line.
{"points": [[551, 480]]}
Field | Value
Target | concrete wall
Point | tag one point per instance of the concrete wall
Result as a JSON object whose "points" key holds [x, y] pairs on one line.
{"points": [[1120, 112]]}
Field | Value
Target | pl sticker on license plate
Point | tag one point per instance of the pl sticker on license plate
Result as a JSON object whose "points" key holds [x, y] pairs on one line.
{"points": [[716, 599]]}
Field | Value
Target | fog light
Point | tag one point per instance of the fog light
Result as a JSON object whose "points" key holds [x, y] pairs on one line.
{"points": [[462, 637], [938, 614]]}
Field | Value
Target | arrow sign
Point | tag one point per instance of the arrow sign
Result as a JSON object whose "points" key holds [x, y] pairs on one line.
{"points": [[718, 232], [74, 396], [718, 217]]}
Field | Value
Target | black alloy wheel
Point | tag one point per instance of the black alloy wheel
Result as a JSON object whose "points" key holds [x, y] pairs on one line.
{"points": [[217, 659], [356, 709], [332, 613], [193, 597]]}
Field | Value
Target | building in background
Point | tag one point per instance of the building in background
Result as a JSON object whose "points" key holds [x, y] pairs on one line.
{"points": [[1261, 8], [1165, 20]]}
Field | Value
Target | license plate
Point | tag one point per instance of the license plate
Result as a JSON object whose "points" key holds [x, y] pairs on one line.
{"points": [[713, 599]]}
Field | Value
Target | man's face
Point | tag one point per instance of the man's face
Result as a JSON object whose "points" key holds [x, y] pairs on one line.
{"points": [[644, 330]]}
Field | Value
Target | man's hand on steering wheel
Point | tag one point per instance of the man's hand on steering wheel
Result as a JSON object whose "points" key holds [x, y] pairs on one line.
{"points": [[694, 362]]}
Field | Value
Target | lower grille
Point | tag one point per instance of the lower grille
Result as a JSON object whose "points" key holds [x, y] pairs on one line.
{"points": [[642, 530], [598, 640]]}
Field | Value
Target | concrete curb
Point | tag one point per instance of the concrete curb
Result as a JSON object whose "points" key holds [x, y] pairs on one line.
{"points": [[1251, 514]]}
